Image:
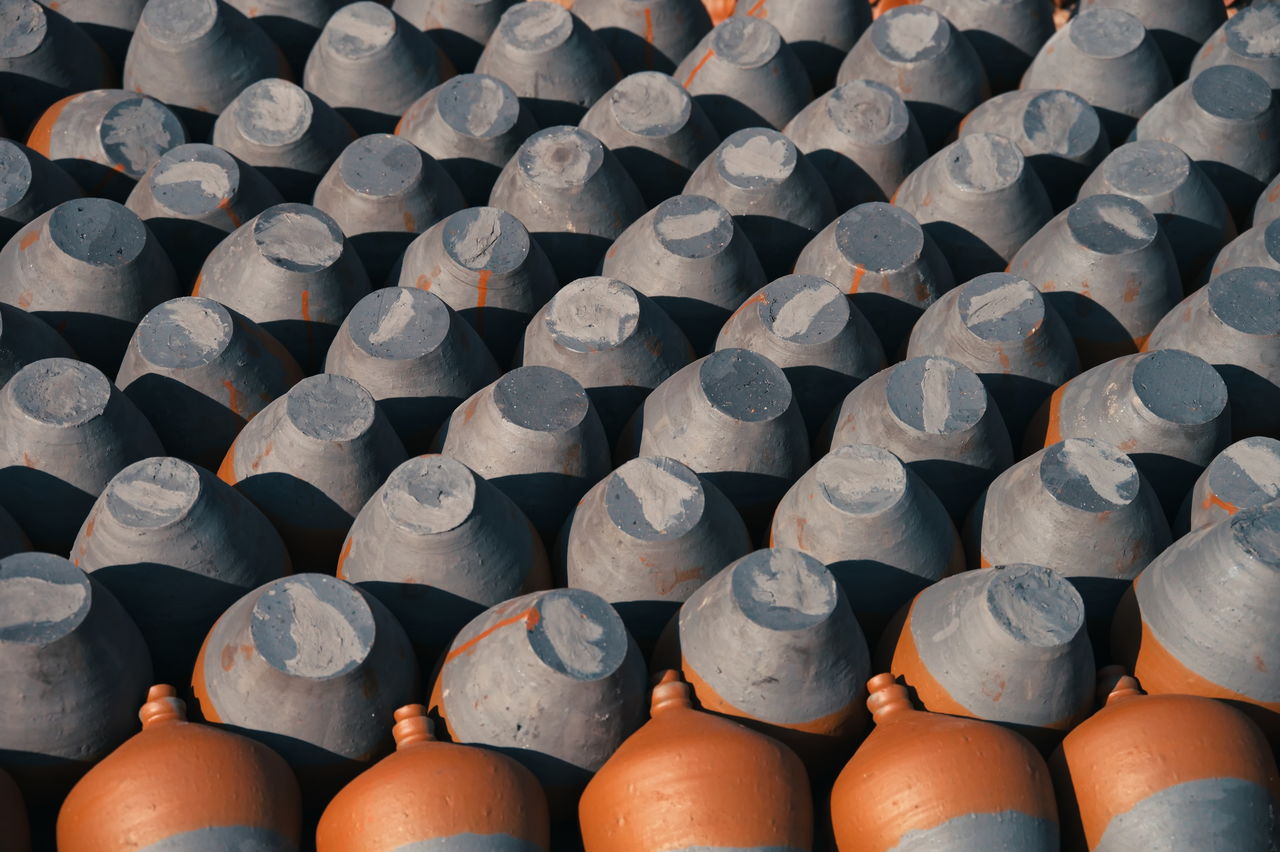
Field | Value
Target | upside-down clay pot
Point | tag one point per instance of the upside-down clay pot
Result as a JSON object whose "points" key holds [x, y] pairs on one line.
{"points": [[72, 668], [13, 815], [1199, 620], [1244, 475], [1007, 645], [551, 678], [181, 785], [489, 801], [772, 641], [925, 781], [312, 667], [692, 780], [1166, 771]]}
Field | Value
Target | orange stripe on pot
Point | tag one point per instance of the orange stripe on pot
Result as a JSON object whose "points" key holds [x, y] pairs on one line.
{"points": [[41, 136], [908, 666], [203, 706]]}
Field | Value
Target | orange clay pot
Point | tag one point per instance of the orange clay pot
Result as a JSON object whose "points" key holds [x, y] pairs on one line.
{"points": [[15, 835], [192, 785], [719, 10], [431, 791], [1146, 771], [941, 782], [689, 779]]}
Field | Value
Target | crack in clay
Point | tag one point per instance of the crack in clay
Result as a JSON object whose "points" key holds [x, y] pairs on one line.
{"points": [[138, 129], [478, 242], [1110, 478], [32, 600], [572, 634], [997, 303], [912, 33], [796, 316], [786, 582], [757, 157], [324, 641], [212, 178], [1258, 29], [395, 319], [935, 394], [689, 226], [664, 498]]}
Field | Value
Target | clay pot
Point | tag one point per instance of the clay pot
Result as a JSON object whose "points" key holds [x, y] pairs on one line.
{"points": [[179, 785], [772, 641], [310, 666], [1007, 645], [930, 781], [1200, 619], [13, 815], [691, 780], [492, 802], [551, 678], [1166, 771], [72, 668]]}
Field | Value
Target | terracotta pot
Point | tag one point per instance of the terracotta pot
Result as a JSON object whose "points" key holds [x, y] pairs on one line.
{"points": [[691, 780], [180, 785], [1166, 771], [1200, 620], [13, 815], [492, 802], [929, 781]]}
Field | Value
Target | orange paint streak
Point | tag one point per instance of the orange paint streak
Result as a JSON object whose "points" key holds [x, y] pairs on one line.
{"points": [[648, 38], [757, 299], [423, 283], [858, 272], [202, 707], [227, 470], [983, 561], [41, 136], [342, 557], [233, 398], [27, 461], [751, 13], [24, 299], [195, 291], [470, 411], [29, 240], [530, 617], [1053, 429], [482, 296], [225, 205], [694, 73], [1214, 500], [306, 305], [408, 221]]}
